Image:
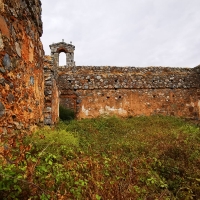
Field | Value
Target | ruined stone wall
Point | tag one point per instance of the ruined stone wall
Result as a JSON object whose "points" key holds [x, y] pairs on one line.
{"points": [[68, 49], [130, 91], [21, 65], [51, 100]]}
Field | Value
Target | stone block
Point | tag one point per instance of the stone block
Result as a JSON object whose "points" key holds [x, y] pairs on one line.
{"points": [[2, 109]]}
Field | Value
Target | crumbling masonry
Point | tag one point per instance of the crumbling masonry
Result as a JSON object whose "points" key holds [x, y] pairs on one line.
{"points": [[21, 65], [32, 86], [92, 91], [130, 91]]}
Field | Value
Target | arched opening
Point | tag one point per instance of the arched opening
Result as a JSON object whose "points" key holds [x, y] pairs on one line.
{"points": [[62, 59]]}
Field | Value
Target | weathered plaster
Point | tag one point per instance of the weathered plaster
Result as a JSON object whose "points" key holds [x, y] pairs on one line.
{"points": [[130, 91]]}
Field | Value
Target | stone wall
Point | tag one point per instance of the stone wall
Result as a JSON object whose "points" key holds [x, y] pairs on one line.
{"points": [[31, 86], [68, 49], [51, 101], [130, 91], [21, 66]]}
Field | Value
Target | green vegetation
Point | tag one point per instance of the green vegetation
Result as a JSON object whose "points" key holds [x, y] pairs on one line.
{"points": [[140, 158], [66, 113]]}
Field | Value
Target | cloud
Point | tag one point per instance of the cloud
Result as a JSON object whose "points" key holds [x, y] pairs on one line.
{"points": [[126, 32]]}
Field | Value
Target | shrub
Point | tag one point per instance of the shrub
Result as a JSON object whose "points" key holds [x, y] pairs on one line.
{"points": [[54, 141], [66, 113]]}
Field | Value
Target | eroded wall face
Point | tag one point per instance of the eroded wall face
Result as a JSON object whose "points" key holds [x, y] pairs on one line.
{"points": [[134, 102], [129, 91], [21, 65], [51, 99]]}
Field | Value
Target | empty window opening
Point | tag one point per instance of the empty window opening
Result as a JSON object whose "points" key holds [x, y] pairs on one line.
{"points": [[62, 59], [108, 97], [120, 97], [88, 80], [115, 88], [115, 80], [75, 90], [69, 81]]}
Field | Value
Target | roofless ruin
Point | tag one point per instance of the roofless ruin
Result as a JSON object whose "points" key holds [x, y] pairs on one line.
{"points": [[33, 85]]}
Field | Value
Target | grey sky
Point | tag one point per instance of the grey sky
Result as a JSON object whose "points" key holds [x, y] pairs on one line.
{"points": [[126, 32]]}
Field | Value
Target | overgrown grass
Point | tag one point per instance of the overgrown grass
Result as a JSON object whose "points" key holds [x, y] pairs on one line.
{"points": [[66, 113], [140, 158]]}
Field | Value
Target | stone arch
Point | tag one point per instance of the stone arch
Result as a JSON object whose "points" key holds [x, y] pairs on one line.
{"points": [[68, 49], [61, 49], [62, 59]]}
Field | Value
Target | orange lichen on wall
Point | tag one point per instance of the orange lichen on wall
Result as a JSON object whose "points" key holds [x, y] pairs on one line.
{"points": [[21, 66]]}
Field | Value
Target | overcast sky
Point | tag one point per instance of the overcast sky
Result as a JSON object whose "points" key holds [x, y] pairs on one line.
{"points": [[125, 32]]}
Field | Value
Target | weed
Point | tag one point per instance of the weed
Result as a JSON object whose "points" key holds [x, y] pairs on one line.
{"points": [[66, 113], [106, 158]]}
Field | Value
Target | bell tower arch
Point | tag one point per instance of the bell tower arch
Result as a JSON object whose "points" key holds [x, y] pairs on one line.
{"points": [[68, 49]]}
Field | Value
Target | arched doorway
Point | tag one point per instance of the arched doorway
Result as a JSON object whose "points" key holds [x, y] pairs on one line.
{"points": [[62, 59]]}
